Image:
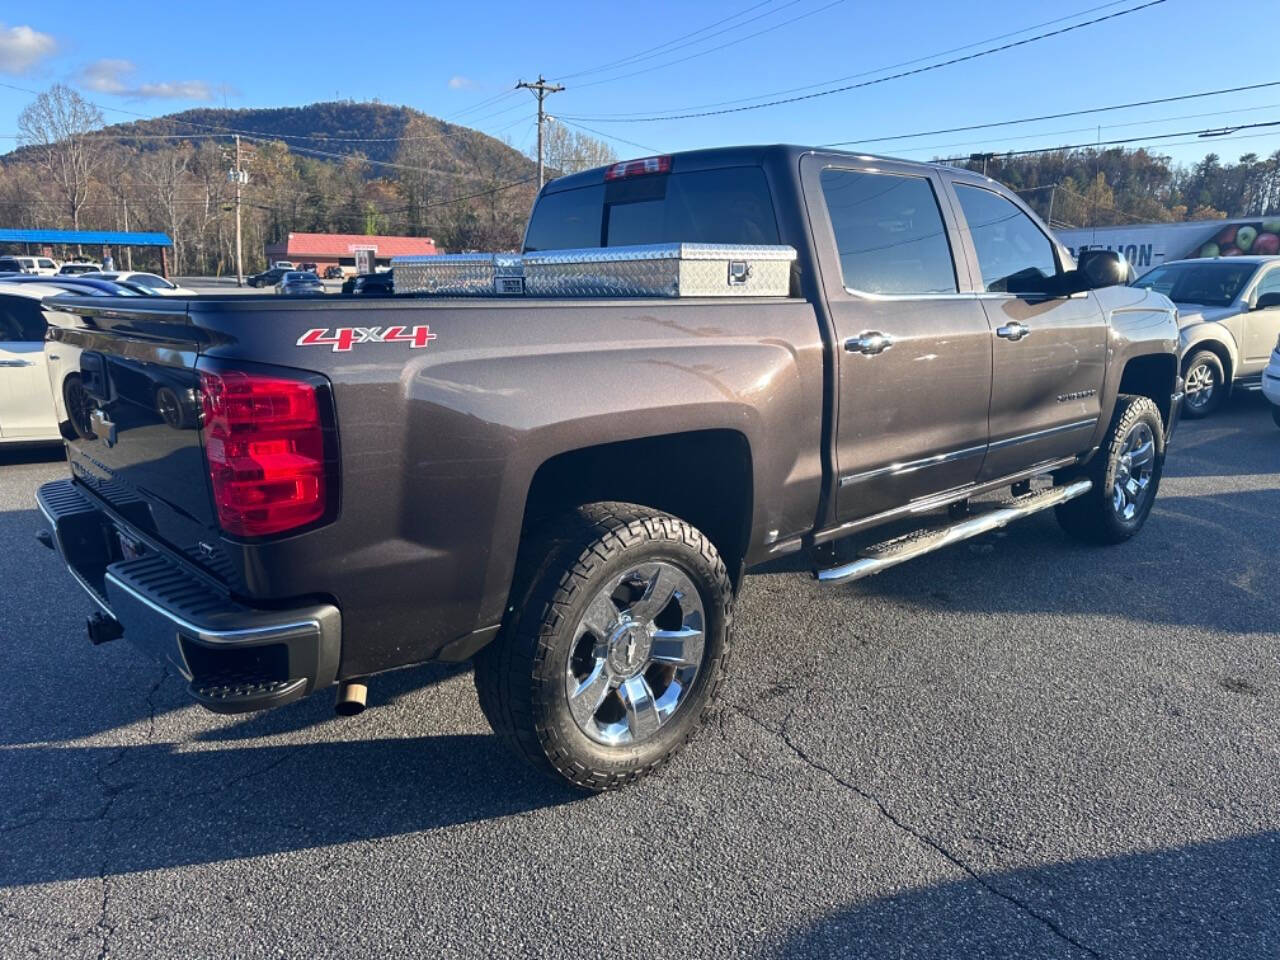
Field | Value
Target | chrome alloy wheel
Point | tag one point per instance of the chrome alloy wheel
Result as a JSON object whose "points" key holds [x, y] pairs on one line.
{"points": [[1200, 385], [1133, 471], [637, 650]]}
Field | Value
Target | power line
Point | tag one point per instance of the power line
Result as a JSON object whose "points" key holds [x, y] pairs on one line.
{"points": [[636, 57], [1206, 134], [608, 136], [722, 46], [878, 80], [1055, 116], [892, 66]]}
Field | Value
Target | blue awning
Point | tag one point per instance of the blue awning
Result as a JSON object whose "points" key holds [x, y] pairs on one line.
{"points": [[110, 238]]}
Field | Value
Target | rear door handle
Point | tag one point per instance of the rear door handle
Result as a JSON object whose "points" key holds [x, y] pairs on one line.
{"points": [[870, 343], [16, 363], [1013, 331]]}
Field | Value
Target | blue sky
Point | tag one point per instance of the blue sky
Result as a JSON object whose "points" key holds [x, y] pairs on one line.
{"points": [[449, 59]]}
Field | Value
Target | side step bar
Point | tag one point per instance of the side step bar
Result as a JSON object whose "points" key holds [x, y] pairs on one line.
{"points": [[893, 552]]}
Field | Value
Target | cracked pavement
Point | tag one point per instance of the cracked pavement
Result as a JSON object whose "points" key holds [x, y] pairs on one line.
{"points": [[1018, 747]]}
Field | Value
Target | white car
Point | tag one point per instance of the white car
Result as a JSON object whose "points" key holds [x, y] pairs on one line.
{"points": [[74, 268], [1271, 383], [39, 266], [152, 281], [27, 413]]}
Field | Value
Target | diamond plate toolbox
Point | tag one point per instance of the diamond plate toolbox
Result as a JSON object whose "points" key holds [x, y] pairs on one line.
{"points": [[459, 274], [660, 270]]}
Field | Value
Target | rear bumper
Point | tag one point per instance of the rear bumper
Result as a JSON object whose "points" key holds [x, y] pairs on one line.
{"points": [[236, 658]]}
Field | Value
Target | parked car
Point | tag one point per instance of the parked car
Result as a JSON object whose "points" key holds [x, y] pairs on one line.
{"points": [[86, 286], [333, 272], [267, 278], [27, 411], [307, 267], [569, 488], [1271, 383], [284, 265], [299, 283], [75, 267], [1229, 315], [150, 282], [370, 284], [36, 266], [10, 265]]}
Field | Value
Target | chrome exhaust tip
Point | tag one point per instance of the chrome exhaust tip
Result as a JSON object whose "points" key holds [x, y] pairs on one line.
{"points": [[351, 697]]}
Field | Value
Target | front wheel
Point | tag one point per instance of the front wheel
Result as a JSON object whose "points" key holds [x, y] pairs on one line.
{"points": [[1205, 385], [614, 648], [1126, 474]]}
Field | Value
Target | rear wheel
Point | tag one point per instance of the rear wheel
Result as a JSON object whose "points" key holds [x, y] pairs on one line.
{"points": [[1205, 385], [612, 657], [1126, 474]]}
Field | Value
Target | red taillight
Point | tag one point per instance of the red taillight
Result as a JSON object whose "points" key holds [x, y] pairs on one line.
{"points": [[264, 445], [638, 168]]}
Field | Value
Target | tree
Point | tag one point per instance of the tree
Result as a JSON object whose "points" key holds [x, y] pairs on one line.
{"points": [[58, 124], [568, 152]]}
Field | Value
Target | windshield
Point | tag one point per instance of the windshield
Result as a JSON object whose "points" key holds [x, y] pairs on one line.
{"points": [[730, 205], [1213, 284], [151, 280]]}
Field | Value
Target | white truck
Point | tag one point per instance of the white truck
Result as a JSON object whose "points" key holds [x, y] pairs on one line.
{"points": [[1147, 245]]}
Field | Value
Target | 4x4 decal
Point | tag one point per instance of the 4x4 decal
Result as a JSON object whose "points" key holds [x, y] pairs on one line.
{"points": [[344, 338]]}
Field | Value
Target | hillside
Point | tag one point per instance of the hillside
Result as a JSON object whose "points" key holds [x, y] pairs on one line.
{"points": [[375, 130]]}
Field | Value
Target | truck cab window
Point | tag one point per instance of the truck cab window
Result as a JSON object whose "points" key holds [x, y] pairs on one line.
{"points": [[889, 233], [1014, 255]]}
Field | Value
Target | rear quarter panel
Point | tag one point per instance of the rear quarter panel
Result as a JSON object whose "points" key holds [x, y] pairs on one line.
{"points": [[439, 445]]}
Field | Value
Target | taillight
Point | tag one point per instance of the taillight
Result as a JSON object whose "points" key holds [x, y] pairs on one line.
{"points": [[264, 446], [638, 168]]}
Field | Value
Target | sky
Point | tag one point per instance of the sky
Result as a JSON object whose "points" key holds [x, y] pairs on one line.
{"points": [[623, 62]]}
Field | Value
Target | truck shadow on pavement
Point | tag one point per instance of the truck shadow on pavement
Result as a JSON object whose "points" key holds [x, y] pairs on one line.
{"points": [[1216, 899], [74, 812]]}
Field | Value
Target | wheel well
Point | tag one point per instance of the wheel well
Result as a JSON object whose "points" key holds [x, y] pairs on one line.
{"points": [[703, 477], [1151, 376], [1218, 350]]}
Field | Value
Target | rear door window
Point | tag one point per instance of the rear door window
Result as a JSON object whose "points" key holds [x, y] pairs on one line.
{"points": [[889, 233], [729, 205], [21, 320]]}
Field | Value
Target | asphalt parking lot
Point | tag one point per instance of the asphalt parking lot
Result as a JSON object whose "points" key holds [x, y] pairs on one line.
{"points": [[1020, 747]]}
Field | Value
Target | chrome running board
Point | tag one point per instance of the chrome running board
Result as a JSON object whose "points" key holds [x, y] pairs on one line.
{"points": [[882, 556]]}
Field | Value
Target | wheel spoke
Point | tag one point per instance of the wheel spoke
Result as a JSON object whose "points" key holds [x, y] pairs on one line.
{"points": [[642, 710], [1143, 455], [601, 616], [661, 587], [677, 647], [585, 700]]}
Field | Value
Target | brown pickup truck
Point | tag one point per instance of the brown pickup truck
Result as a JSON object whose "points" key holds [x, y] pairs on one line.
{"points": [[277, 496]]}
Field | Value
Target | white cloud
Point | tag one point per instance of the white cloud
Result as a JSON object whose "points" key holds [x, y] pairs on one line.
{"points": [[21, 48], [459, 82], [116, 76]]}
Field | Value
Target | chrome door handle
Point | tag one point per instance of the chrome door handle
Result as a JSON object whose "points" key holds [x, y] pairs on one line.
{"points": [[16, 363], [1013, 331], [869, 343]]}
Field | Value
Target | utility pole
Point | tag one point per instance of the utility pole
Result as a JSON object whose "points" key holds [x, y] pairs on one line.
{"points": [[239, 178], [541, 90]]}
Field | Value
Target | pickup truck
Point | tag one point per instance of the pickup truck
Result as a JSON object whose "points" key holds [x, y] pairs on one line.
{"points": [[277, 496]]}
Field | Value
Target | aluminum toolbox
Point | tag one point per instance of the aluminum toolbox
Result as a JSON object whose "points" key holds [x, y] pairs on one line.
{"points": [[459, 274], [660, 270]]}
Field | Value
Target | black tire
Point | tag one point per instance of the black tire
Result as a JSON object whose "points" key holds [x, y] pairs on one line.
{"points": [[78, 405], [1095, 518], [1196, 405], [521, 676]]}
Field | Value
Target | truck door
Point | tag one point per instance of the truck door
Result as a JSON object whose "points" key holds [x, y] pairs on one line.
{"points": [[26, 405], [1261, 325], [913, 358], [1049, 353]]}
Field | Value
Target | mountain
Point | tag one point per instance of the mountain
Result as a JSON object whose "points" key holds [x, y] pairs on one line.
{"points": [[320, 130]]}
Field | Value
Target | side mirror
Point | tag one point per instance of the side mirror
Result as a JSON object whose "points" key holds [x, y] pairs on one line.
{"points": [[1267, 301], [1101, 268]]}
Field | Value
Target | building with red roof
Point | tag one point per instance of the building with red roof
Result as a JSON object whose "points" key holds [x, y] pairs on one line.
{"points": [[339, 249]]}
